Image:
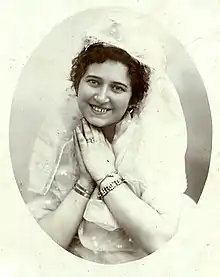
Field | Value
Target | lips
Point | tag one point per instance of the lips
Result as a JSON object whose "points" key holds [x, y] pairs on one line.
{"points": [[99, 110]]}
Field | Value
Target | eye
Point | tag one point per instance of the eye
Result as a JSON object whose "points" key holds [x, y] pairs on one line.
{"points": [[118, 89], [93, 82]]}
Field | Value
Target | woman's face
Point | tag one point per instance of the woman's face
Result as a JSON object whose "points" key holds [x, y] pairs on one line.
{"points": [[104, 93]]}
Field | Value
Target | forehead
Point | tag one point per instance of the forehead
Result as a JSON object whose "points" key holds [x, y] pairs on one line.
{"points": [[109, 70]]}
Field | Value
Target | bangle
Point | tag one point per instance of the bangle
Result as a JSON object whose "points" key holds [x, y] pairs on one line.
{"points": [[81, 190], [112, 185]]}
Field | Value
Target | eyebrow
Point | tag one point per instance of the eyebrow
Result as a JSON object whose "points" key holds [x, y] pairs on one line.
{"points": [[93, 76], [99, 78]]}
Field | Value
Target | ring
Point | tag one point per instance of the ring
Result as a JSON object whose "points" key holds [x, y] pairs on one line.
{"points": [[90, 140]]}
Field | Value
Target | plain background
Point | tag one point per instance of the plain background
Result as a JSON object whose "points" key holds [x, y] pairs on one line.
{"points": [[25, 249]]}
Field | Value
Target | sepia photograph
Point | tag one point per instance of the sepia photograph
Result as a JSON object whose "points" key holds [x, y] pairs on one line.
{"points": [[108, 150]]}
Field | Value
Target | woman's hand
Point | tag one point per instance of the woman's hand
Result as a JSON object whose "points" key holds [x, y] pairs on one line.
{"points": [[96, 151], [85, 178]]}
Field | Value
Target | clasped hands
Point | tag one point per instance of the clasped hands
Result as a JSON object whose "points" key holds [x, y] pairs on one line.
{"points": [[94, 153]]}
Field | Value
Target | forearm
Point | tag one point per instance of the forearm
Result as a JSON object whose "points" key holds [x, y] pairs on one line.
{"points": [[62, 224], [143, 223]]}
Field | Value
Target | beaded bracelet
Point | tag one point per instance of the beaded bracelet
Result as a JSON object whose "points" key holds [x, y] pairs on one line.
{"points": [[112, 185], [81, 190]]}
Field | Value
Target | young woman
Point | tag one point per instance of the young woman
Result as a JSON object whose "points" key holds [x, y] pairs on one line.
{"points": [[112, 197]]}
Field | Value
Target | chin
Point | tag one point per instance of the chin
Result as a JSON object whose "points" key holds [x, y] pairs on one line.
{"points": [[97, 123]]}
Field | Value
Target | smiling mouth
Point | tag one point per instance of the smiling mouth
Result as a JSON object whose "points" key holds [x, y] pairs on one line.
{"points": [[99, 110]]}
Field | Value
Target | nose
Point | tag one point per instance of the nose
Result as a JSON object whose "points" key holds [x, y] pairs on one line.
{"points": [[102, 96]]}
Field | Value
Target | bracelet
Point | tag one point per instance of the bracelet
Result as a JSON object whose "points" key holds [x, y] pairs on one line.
{"points": [[106, 189], [81, 190], [112, 174]]}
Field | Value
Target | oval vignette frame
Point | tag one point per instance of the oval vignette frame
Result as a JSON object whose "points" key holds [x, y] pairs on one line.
{"points": [[194, 89]]}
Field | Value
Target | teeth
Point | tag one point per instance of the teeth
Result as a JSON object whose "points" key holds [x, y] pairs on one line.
{"points": [[97, 109]]}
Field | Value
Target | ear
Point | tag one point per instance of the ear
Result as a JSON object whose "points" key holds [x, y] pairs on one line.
{"points": [[132, 108], [76, 91]]}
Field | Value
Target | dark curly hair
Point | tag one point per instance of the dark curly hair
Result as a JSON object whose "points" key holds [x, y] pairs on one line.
{"points": [[99, 52]]}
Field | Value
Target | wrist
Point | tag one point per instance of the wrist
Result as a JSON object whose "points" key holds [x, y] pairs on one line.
{"points": [[79, 189], [108, 178], [110, 182], [89, 185], [110, 174]]}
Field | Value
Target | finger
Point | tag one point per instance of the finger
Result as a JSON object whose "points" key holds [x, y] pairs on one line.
{"points": [[81, 127], [77, 147], [95, 133], [98, 134], [87, 129], [81, 139], [79, 157]]}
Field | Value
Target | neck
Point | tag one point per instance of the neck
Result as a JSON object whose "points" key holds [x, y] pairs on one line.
{"points": [[109, 132]]}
